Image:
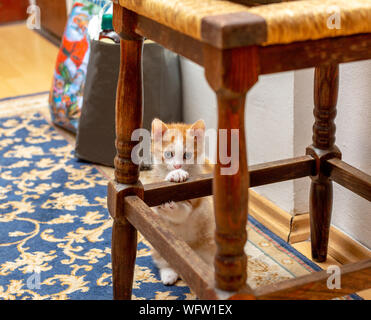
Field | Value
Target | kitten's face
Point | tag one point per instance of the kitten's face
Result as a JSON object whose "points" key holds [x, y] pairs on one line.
{"points": [[178, 145]]}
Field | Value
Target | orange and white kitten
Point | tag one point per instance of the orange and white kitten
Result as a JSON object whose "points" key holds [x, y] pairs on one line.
{"points": [[175, 149]]}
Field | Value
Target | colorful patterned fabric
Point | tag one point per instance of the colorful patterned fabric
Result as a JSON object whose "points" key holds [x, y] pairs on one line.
{"points": [[55, 231], [70, 70], [98, 3]]}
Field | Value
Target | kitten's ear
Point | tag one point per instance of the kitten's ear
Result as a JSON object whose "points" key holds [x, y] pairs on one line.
{"points": [[158, 129], [199, 128]]}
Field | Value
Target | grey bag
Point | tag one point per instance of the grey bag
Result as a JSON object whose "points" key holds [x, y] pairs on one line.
{"points": [[162, 97]]}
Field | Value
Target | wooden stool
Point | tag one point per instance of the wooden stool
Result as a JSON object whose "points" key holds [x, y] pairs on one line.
{"points": [[236, 43]]}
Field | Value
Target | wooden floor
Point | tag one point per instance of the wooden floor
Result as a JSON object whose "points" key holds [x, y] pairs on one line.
{"points": [[26, 61], [26, 66]]}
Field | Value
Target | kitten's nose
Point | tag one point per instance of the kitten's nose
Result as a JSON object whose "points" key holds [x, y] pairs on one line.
{"points": [[177, 166]]}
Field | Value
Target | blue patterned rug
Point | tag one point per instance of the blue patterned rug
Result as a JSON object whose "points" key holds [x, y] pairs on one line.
{"points": [[55, 230]]}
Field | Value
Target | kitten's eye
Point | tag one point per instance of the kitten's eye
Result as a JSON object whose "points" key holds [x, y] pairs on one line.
{"points": [[168, 154], [187, 155]]}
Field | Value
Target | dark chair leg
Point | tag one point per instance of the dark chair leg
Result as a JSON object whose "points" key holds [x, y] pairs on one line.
{"points": [[231, 73], [128, 118], [326, 85], [123, 252]]}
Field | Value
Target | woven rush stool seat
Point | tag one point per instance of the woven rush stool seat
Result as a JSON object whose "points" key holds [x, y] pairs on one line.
{"points": [[275, 23], [236, 42]]}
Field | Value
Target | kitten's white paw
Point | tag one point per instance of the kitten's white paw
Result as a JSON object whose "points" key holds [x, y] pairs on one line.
{"points": [[168, 276], [169, 205], [178, 175]]}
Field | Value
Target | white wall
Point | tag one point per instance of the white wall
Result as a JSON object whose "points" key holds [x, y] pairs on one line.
{"points": [[69, 6], [279, 123]]}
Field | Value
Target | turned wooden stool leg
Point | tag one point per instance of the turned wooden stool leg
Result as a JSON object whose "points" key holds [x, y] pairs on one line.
{"points": [[128, 118], [230, 198], [326, 83], [231, 73]]}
